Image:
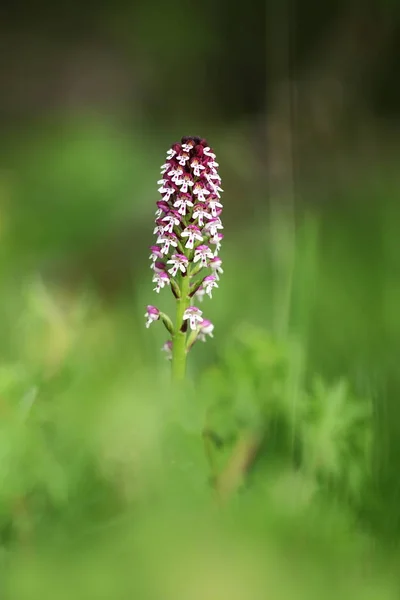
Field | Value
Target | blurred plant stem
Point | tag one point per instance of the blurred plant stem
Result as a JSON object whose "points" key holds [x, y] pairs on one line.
{"points": [[210, 441], [240, 461], [22, 523], [245, 450], [179, 339]]}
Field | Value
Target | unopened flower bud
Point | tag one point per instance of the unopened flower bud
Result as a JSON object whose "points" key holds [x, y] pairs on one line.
{"points": [[152, 314]]}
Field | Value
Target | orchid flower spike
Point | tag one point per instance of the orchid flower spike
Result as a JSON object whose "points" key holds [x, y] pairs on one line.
{"points": [[188, 229]]}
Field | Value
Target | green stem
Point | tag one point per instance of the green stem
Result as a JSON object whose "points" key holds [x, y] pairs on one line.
{"points": [[179, 340]]}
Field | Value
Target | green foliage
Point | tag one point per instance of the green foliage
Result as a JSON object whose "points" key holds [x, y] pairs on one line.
{"points": [[105, 473], [96, 454], [324, 433]]}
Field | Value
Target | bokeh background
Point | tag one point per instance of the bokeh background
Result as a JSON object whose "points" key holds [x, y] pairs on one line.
{"points": [[104, 482]]}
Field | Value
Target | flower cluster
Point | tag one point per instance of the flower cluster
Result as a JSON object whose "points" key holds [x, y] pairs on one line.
{"points": [[188, 231]]}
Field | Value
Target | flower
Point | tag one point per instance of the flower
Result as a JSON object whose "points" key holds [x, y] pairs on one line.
{"points": [[206, 328], [155, 253], [209, 152], [182, 158], [212, 226], [197, 167], [152, 314], [168, 239], [167, 189], [187, 143], [172, 219], [179, 263], [209, 283], [161, 279], [200, 293], [159, 228], [158, 266], [200, 213], [193, 315], [216, 240], [187, 182], [216, 189], [192, 232], [176, 174], [182, 202], [171, 153], [213, 203], [203, 253], [162, 207], [200, 191], [215, 263], [167, 347]]}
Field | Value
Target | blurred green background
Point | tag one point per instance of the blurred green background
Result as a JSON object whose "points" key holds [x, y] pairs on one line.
{"points": [[104, 479]]}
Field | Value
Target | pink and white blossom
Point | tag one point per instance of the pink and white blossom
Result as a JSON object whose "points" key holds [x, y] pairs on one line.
{"points": [[204, 254], [182, 202], [209, 282], [193, 315], [161, 279], [193, 233], [200, 191], [216, 240], [212, 226], [200, 213], [179, 262], [216, 266], [186, 183], [167, 239], [206, 328], [172, 219], [155, 253]]}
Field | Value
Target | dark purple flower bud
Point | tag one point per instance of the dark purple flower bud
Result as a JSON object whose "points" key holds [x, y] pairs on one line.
{"points": [[159, 266], [198, 151], [163, 206]]}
